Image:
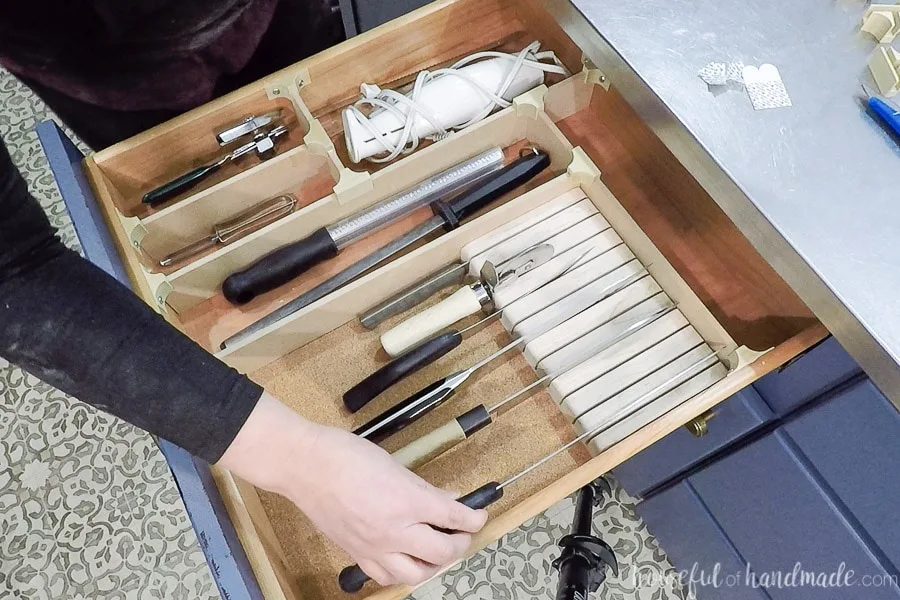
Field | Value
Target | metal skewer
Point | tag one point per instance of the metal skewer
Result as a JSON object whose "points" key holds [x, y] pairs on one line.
{"points": [[246, 222]]}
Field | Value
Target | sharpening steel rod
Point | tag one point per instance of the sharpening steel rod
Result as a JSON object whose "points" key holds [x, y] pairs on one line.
{"points": [[292, 260], [447, 218]]}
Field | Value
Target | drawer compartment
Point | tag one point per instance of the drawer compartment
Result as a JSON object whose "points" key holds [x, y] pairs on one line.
{"points": [[196, 290], [599, 148], [853, 440], [151, 159], [737, 416]]}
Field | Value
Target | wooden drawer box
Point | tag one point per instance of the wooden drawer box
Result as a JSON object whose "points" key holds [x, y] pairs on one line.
{"points": [[737, 303]]}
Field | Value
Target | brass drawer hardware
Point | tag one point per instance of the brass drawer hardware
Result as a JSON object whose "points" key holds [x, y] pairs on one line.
{"points": [[699, 427]]}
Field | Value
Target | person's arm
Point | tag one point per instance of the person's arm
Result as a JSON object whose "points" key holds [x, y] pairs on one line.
{"points": [[67, 322]]}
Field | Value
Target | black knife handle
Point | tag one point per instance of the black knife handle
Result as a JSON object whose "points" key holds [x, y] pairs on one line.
{"points": [[491, 187], [483, 496], [177, 186], [420, 403], [404, 365], [279, 267], [352, 579]]}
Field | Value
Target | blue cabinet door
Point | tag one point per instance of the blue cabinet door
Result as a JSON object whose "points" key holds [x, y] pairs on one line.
{"points": [[853, 441], [773, 507], [816, 372], [707, 563], [734, 418]]}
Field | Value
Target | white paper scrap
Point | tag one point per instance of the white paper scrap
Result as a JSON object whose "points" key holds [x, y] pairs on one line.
{"points": [[765, 87], [720, 73]]}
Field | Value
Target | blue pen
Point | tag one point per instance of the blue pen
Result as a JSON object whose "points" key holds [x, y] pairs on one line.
{"points": [[885, 110]]}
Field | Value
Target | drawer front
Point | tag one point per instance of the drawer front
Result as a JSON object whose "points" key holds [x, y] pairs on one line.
{"points": [[228, 562], [64, 159], [696, 545], [854, 442], [813, 374], [771, 507], [734, 418]]}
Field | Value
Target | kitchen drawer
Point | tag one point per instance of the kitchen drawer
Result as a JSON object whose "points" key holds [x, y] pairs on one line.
{"points": [[696, 545], [853, 440], [598, 146], [811, 375], [775, 511], [732, 419]]}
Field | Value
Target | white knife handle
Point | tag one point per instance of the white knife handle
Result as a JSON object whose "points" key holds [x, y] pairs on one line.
{"points": [[464, 302], [418, 452]]}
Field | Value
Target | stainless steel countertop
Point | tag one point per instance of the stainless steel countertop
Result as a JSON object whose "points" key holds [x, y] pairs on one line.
{"points": [[815, 187]]}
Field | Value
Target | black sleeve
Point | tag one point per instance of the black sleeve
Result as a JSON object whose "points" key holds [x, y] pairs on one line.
{"points": [[67, 322]]}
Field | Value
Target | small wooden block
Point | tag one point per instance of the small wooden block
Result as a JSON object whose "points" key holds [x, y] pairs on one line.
{"points": [[592, 318], [568, 284], [560, 230], [571, 305], [882, 22], [618, 381], [622, 427], [885, 67], [520, 224], [609, 359], [568, 260]]}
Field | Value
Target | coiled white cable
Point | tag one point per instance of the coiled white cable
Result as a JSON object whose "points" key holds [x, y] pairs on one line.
{"points": [[390, 100]]}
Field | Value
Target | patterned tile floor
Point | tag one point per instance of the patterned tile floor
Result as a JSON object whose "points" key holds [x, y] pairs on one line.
{"points": [[88, 510]]}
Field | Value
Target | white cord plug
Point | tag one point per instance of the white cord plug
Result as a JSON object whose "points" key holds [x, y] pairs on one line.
{"points": [[442, 101]]}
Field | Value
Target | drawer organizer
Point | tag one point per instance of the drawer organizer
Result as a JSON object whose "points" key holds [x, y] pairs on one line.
{"points": [[605, 163], [598, 324]]}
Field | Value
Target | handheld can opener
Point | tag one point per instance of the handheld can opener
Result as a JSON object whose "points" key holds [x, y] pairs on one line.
{"points": [[264, 130], [251, 125]]}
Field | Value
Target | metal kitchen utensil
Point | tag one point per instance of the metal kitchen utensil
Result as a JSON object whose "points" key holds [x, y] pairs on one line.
{"points": [[264, 131], [243, 224]]}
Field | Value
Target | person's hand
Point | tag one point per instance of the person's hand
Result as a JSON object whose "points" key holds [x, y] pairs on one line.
{"points": [[380, 513]]}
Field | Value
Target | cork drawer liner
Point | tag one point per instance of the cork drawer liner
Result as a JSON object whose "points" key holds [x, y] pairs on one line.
{"points": [[730, 295]]}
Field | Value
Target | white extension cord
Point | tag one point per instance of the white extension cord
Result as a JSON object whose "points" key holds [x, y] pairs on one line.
{"points": [[442, 101]]}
